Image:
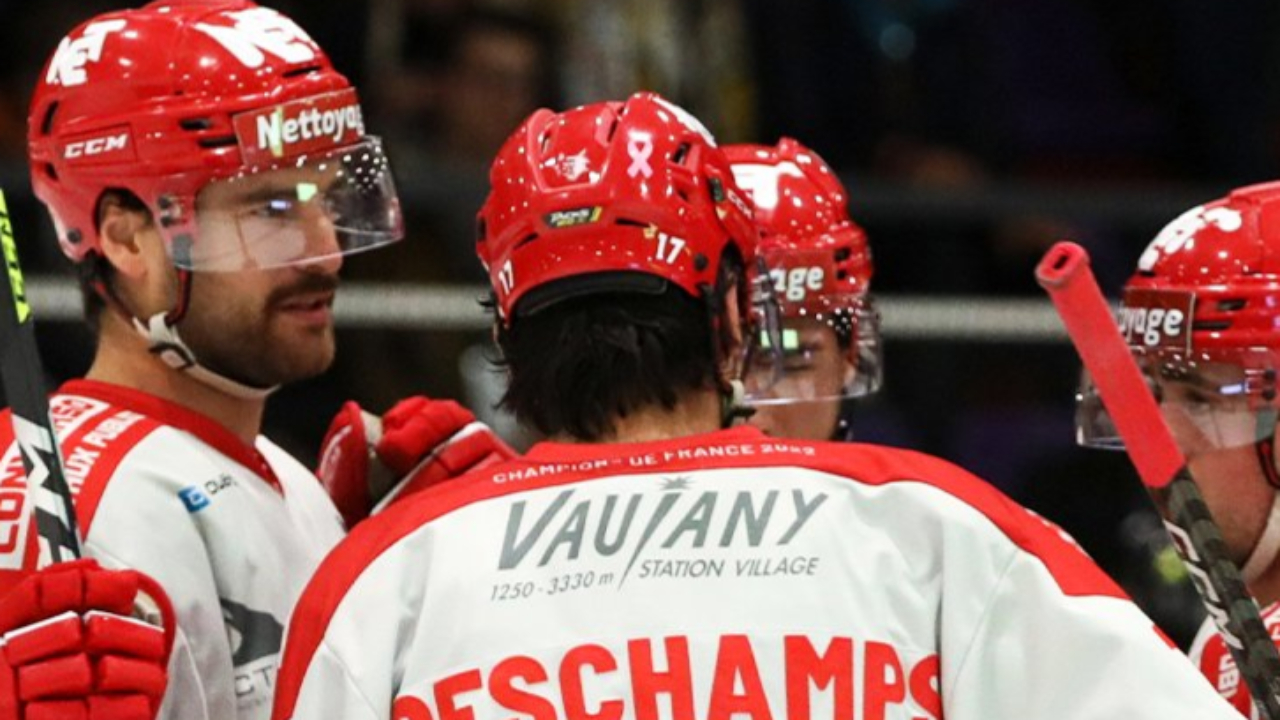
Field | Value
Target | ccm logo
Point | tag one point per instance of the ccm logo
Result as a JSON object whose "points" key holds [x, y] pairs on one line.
{"points": [[96, 146]]}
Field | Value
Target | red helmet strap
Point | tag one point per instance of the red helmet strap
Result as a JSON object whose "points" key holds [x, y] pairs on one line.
{"points": [[179, 310], [1266, 449]]}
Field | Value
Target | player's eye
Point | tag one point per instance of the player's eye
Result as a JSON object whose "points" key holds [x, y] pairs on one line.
{"points": [[799, 359], [274, 209]]}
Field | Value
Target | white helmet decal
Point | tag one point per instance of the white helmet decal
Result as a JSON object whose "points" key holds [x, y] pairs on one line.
{"points": [[1178, 234], [688, 120], [258, 30], [68, 65], [761, 180]]}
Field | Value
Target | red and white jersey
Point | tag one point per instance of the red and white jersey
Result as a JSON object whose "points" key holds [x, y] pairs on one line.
{"points": [[231, 532], [1209, 652], [722, 575]]}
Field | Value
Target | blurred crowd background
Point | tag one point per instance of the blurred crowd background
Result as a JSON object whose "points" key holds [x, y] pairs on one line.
{"points": [[971, 134]]}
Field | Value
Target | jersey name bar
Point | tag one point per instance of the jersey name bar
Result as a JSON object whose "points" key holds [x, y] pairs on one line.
{"points": [[681, 678]]}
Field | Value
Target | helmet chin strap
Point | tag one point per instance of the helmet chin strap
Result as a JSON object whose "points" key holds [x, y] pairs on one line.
{"points": [[161, 333], [733, 406], [164, 342], [1268, 545]]}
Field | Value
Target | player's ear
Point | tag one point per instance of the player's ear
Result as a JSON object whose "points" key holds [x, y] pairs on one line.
{"points": [[121, 230], [731, 333]]}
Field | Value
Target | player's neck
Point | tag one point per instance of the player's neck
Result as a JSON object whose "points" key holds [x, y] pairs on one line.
{"points": [[695, 413], [1266, 588], [122, 359]]}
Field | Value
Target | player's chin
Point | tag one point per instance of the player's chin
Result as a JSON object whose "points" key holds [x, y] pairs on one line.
{"points": [[306, 354], [321, 358]]}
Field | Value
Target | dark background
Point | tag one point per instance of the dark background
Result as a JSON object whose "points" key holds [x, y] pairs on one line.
{"points": [[971, 134]]}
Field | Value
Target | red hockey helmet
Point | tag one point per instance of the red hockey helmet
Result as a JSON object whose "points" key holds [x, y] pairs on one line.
{"points": [[798, 199], [819, 263], [180, 96], [1202, 316], [617, 196]]}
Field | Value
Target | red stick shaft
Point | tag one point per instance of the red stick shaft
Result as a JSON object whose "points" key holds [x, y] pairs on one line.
{"points": [[1064, 273]]}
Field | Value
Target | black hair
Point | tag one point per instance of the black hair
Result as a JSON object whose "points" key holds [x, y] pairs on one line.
{"points": [[576, 365]]}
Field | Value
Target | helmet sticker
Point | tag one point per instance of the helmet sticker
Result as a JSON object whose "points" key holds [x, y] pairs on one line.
{"points": [[795, 283], [1157, 318], [797, 274], [260, 30], [1177, 234], [302, 126], [668, 247], [68, 65], [573, 166], [561, 219], [99, 147], [760, 181], [639, 148]]}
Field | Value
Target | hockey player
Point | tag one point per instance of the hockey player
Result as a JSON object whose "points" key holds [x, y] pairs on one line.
{"points": [[207, 170], [820, 267], [652, 561], [1200, 314]]}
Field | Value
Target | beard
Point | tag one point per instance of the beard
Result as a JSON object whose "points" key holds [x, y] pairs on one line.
{"points": [[247, 339]]}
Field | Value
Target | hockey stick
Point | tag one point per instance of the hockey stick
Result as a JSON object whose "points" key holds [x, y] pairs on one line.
{"points": [[1064, 273], [23, 381]]}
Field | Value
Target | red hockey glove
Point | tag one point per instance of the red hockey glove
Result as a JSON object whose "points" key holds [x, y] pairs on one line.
{"points": [[426, 442], [366, 462], [347, 461], [71, 649]]}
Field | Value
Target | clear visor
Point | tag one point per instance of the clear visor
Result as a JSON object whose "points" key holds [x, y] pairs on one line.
{"points": [[1210, 401], [830, 351], [310, 209]]}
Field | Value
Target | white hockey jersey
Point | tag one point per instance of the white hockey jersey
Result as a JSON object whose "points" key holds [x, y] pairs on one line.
{"points": [[718, 576], [231, 532], [1209, 652]]}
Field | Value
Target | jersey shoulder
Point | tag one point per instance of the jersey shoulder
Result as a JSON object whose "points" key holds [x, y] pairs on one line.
{"points": [[1071, 567], [95, 437], [942, 487]]}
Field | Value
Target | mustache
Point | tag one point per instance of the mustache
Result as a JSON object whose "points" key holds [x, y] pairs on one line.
{"points": [[305, 285]]}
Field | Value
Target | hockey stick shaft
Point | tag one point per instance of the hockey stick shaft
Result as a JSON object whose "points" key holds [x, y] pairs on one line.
{"points": [[23, 381], [1064, 273]]}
